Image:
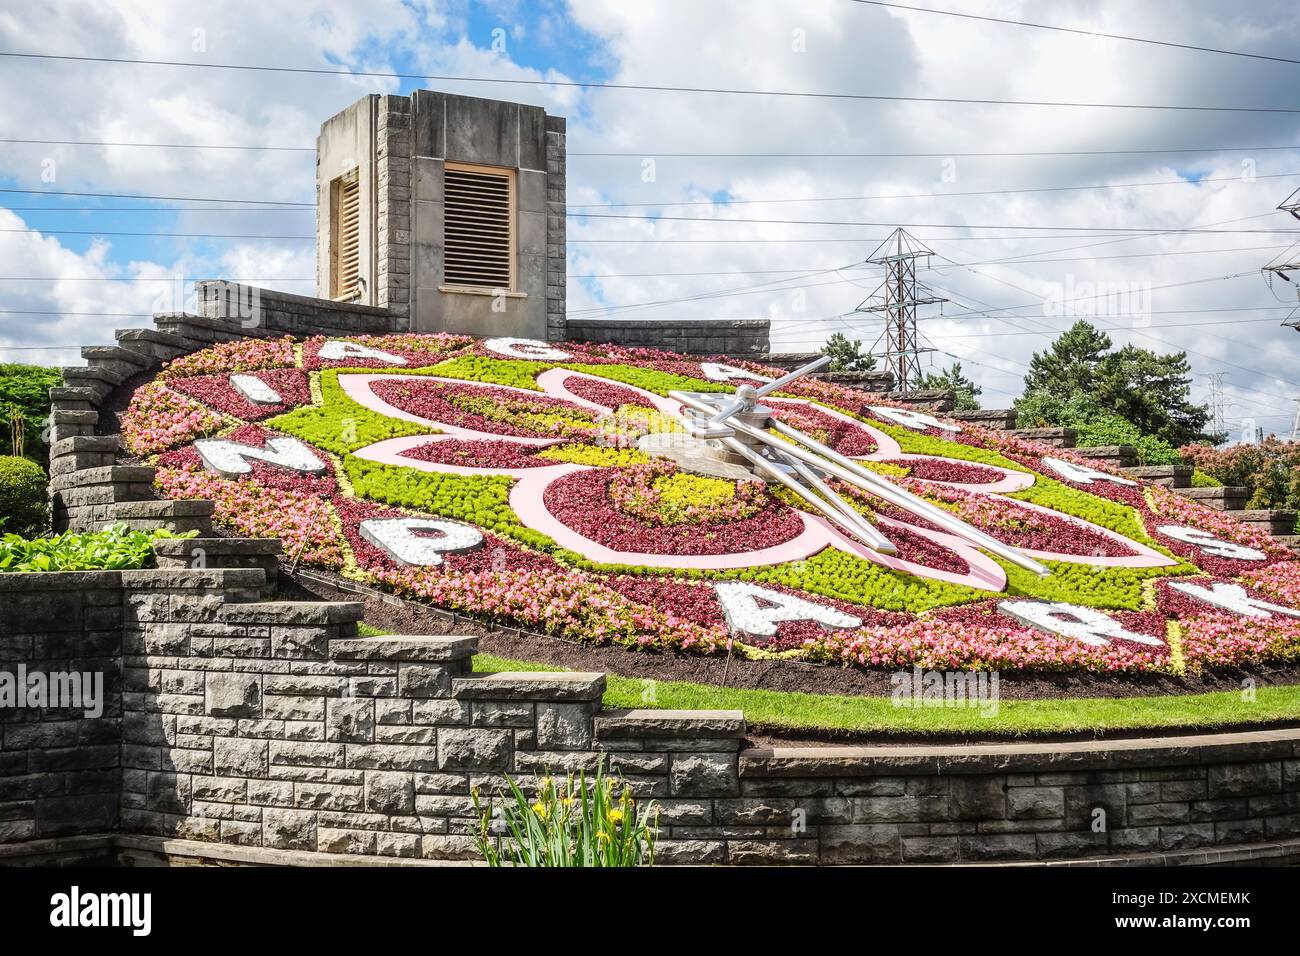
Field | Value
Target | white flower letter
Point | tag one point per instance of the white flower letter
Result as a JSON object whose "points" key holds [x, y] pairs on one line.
{"points": [[338, 349], [755, 610], [716, 372], [397, 538], [255, 390], [1070, 620], [912, 419], [231, 458], [525, 349], [1232, 597], [1081, 474], [1210, 544]]}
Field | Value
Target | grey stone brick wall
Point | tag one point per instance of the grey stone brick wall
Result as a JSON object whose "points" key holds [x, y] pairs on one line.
{"points": [[242, 311], [737, 338], [272, 727], [557, 207]]}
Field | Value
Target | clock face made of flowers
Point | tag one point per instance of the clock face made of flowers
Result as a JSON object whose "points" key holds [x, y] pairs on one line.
{"points": [[632, 496]]}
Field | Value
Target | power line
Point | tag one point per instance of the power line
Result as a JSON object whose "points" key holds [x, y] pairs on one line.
{"points": [[1096, 34], [645, 153], [925, 225], [643, 87], [247, 202], [157, 235], [929, 195], [641, 154]]}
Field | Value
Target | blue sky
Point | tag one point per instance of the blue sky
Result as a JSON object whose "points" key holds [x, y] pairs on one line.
{"points": [[798, 275]]}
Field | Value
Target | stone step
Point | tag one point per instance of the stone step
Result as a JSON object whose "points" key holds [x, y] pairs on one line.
{"points": [[72, 424], [317, 613], [105, 475], [1177, 477], [116, 359], [531, 685], [204, 329], [407, 647], [70, 399], [1117, 456], [1277, 523], [998, 419], [160, 346], [101, 381], [1225, 498], [177, 516], [930, 399], [1056, 437], [263, 553], [1290, 540], [73, 459]]}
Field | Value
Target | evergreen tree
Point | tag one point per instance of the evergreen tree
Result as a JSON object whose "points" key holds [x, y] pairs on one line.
{"points": [[847, 356], [953, 379], [1070, 364]]}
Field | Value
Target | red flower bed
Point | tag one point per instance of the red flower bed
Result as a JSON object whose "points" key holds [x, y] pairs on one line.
{"points": [[478, 454], [486, 408], [582, 502], [841, 436], [215, 391], [609, 394], [267, 476], [935, 469]]}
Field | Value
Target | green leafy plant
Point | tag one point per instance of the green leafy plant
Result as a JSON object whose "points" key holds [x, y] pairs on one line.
{"points": [[25, 394], [1202, 480], [23, 506], [116, 548], [570, 824]]}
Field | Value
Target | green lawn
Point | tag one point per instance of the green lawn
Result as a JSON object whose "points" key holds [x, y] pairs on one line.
{"points": [[829, 713], [767, 709]]}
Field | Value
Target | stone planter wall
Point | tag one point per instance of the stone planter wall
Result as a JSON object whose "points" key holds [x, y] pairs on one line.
{"points": [[271, 728]]}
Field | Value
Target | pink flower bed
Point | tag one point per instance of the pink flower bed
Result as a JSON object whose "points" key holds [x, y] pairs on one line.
{"points": [[265, 475], [242, 355], [215, 391], [610, 394], [938, 469], [159, 418], [417, 350]]}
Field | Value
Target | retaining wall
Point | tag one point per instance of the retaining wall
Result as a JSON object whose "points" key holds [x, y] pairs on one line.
{"points": [[741, 338], [272, 727]]}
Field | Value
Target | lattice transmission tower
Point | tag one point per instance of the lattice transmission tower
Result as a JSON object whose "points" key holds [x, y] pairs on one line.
{"points": [[898, 297], [1289, 261]]}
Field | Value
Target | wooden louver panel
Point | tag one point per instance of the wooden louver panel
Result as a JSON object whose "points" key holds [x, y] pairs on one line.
{"points": [[477, 232], [347, 237]]}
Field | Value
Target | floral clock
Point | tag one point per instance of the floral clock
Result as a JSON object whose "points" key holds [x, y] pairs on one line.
{"points": [[545, 486]]}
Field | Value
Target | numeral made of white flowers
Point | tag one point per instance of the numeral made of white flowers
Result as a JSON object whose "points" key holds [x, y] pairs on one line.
{"points": [[231, 459], [400, 540], [908, 418], [751, 609], [526, 349], [1209, 544], [1081, 474], [1083, 624], [717, 372], [255, 390], [338, 349], [1232, 597]]}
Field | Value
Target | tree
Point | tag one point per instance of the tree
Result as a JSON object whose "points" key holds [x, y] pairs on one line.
{"points": [[847, 356], [1079, 379], [954, 380], [1070, 365]]}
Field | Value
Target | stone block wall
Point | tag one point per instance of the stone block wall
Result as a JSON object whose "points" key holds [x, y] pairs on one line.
{"points": [[272, 728], [59, 769], [260, 312], [738, 338]]}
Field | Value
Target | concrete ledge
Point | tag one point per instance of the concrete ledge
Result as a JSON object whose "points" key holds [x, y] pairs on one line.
{"points": [[1190, 750], [233, 547], [628, 724], [59, 580], [531, 685], [405, 648], [290, 612]]}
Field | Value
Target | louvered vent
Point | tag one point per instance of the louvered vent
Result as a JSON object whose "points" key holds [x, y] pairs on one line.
{"points": [[347, 236], [478, 237]]}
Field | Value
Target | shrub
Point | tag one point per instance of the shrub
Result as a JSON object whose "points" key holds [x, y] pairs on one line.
{"points": [[1269, 470], [114, 549], [1095, 425], [23, 508], [1201, 480], [25, 395], [578, 823]]}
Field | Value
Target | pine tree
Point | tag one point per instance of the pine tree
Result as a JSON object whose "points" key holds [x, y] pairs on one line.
{"points": [[1070, 365], [847, 356], [954, 380]]}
